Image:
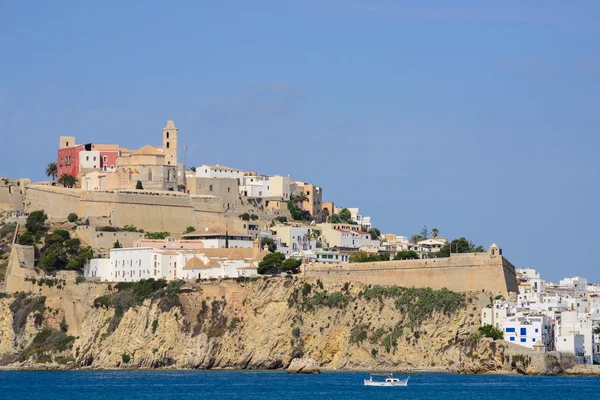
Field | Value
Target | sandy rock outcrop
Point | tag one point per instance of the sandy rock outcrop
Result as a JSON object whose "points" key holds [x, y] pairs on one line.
{"points": [[303, 366], [268, 323]]}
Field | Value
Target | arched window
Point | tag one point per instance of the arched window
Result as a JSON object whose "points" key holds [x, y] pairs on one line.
{"points": [[167, 135], [150, 176], [167, 145]]}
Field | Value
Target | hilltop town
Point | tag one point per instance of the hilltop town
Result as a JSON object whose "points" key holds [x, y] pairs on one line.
{"points": [[112, 223]]}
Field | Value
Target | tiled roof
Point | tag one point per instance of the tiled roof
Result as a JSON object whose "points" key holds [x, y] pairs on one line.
{"points": [[148, 150]]}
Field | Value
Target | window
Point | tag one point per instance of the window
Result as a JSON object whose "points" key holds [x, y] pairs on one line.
{"points": [[510, 330], [105, 159], [210, 188], [168, 145], [512, 339], [523, 340], [150, 176], [523, 331], [536, 330], [228, 190], [94, 158], [87, 158], [167, 135]]}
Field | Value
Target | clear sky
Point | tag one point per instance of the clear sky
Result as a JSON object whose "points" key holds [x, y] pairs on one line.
{"points": [[479, 118]]}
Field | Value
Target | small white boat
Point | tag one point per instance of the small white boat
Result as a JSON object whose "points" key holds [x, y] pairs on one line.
{"points": [[389, 380]]}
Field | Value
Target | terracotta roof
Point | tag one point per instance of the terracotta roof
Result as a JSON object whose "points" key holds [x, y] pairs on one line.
{"points": [[193, 262], [170, 253], [149, 151]]}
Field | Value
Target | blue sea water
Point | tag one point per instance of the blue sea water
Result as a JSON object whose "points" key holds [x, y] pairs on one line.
{"points": [[247, 385]]}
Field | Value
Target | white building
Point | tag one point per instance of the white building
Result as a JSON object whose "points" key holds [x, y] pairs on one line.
{"points": [[220, 171], [89, 159], [572, 343], [571, 323], [526, 330], [134, 264], [295, 238], [494, 315], [220, 238], [362, 220], [577, 284]]}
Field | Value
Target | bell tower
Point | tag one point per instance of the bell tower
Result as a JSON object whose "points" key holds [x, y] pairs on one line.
{"points": [[170, 143]]}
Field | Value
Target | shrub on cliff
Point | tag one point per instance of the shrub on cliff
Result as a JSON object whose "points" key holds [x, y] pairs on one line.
{"points": [[157, 235], [291, 265], [35, 222], [491, 332], [48, 341], [22, 306], [72, 217]]}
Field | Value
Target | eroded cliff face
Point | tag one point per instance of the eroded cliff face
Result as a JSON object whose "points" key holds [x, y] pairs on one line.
{"points": [[262, 324]]}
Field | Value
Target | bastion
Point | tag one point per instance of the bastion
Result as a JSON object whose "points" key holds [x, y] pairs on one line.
{"points": [[468, 272]]}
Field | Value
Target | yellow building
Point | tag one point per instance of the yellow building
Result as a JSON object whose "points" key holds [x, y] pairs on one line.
{"points": [[314, 202]]}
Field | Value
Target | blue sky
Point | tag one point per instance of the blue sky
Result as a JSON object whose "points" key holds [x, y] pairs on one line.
{"points": [[478, 118]]}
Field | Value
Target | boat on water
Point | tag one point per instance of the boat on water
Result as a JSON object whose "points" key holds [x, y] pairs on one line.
{"points": [[389, 380]]}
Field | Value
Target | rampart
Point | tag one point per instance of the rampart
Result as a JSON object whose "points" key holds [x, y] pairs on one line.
{"points": [[151, 211], [74, 298], [460, 272]]}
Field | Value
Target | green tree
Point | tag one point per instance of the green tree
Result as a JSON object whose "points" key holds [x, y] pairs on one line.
{"points": [[117, 245], [139, 185], [193, 169], [270, 243], [435, 232], [362, 256], [334, 219], [406, 255], [460, 245], [424, 233], [189, 229], [271, 264], [72, 217], [375, 233], [35, 222], [299, 198], [491, 332], [291, 265], [346, 216], [52, 170], [416, 238], [157, 235], [67, 180]]}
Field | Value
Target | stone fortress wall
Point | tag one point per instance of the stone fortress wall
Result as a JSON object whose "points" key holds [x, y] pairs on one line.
{"points": [[149, 210], [460, 272]]}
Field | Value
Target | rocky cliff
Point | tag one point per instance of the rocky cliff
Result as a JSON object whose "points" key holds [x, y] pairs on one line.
{"points": [[258, 324]]}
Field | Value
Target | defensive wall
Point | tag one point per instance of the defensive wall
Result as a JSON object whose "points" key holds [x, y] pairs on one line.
{"points": [[151, 211], [459, 272], [102, 242], [64, 294], [148, 210]]}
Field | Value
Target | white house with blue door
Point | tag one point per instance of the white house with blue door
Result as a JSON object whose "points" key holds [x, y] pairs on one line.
{"points": [[526, 330]]}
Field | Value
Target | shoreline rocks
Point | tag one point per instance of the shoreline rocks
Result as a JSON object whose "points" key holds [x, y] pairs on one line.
{"points": [[303, 366]]}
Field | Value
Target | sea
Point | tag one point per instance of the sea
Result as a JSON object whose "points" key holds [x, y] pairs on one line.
{"points": [[248, 385]]}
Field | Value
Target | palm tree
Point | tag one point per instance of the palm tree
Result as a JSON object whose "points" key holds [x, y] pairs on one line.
{"points": [[299, 198], [415, 238], [435, 232], [67, 180], [52, 170]]}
